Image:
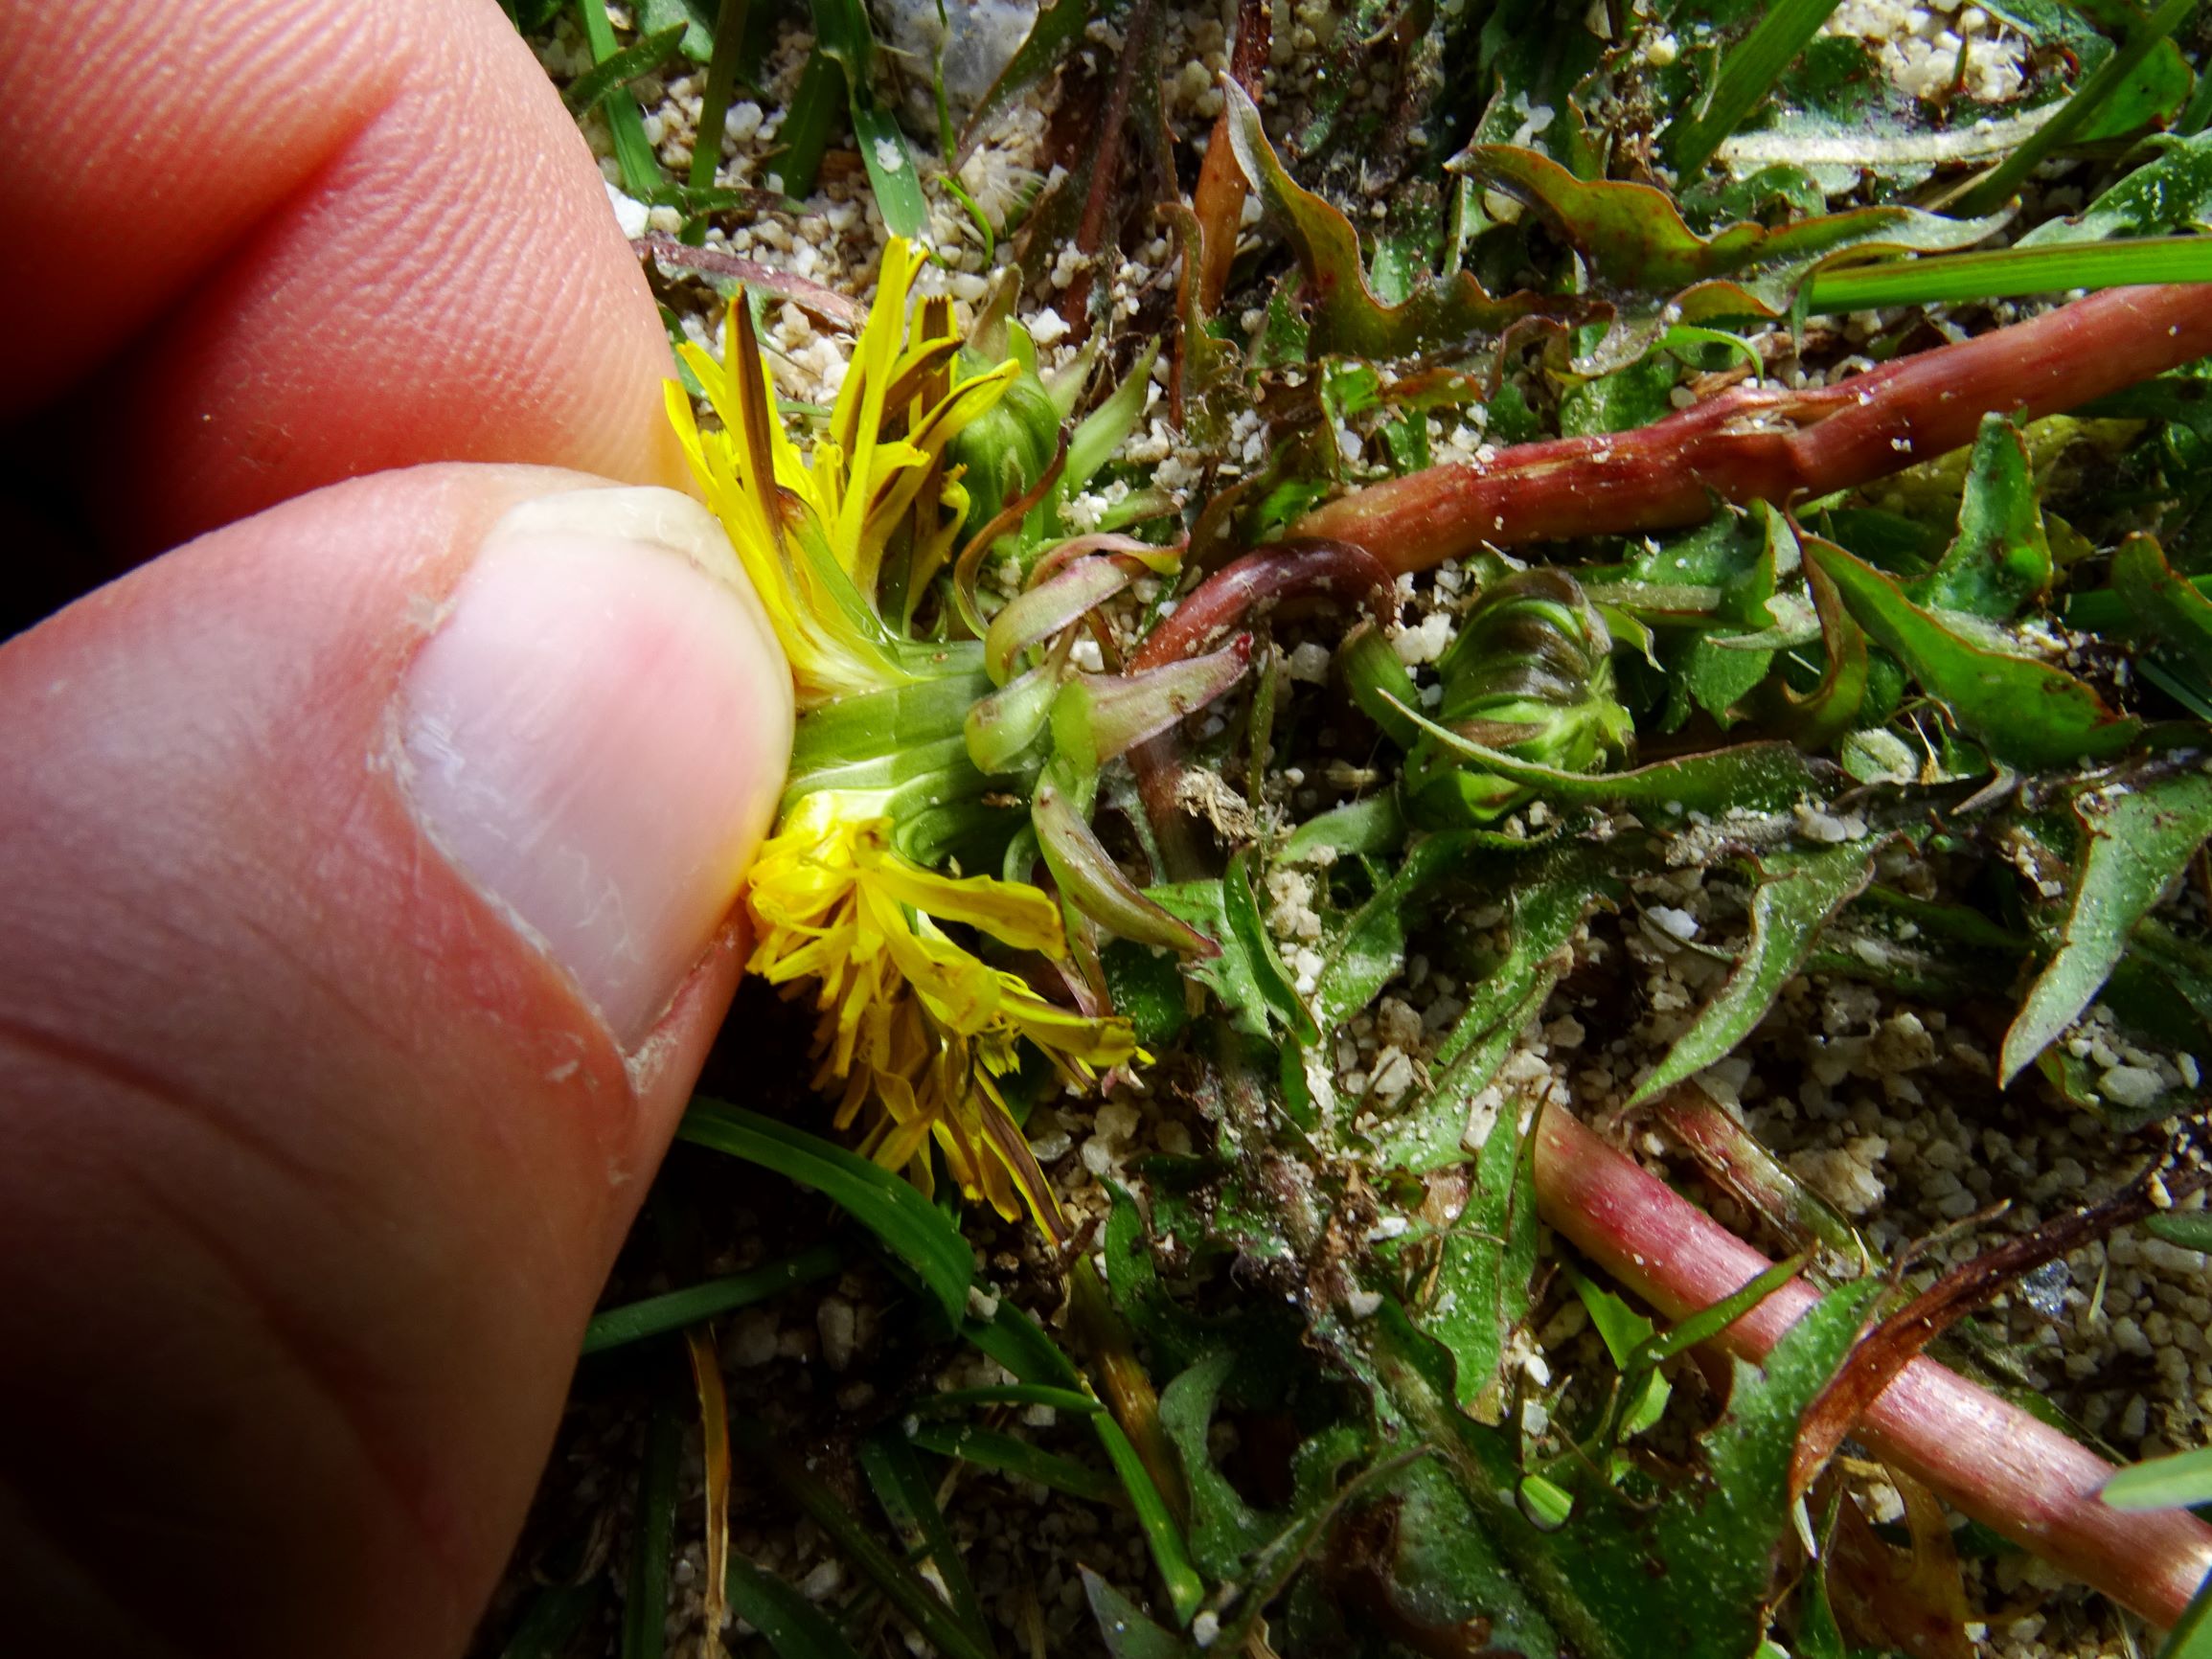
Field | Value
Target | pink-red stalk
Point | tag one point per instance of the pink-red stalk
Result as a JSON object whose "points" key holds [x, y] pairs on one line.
{"points": [[1985, 1458], [1762, 443]]}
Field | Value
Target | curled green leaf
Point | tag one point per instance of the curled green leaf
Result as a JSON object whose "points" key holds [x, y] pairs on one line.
{"points": [[2023, 710], [1645, 258], [1347, 316], [1060, 600], [1797, 896], [1092, 882], [2135, 839], [1123, 709]]}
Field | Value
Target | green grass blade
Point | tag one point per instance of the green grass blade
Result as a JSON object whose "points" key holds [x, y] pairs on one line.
{"points": [[1997, 188], [552, 1622], [791, 1624], [2191, 1229], [641, 170], [991, 1449], [954, 1400], [654, 1315], [2178, 1482], [646, 1608], [2192, 1637], [904, 1491], [1019, 1342], [842, 32], [1710, 1322], [909, 1226], [901, 1585], [1171, 1552], [642, 56], [808, 121], [2005, 273], [1123, 1626], [1746, 76], [890, 165], [715, 100]]}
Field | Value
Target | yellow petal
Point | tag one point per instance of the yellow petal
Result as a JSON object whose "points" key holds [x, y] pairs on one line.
{"points": [[1014, 912]]}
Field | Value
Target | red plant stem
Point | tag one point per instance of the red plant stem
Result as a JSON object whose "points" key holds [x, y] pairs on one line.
{"points": [[1302, 568], [1767, 444], [840, 311], [1985, 1458], [1105, 166]]}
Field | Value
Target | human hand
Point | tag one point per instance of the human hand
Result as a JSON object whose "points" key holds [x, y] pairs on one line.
{"points": [[365, 862]]}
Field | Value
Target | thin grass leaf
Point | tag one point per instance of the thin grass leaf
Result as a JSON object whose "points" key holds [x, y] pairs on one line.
{"points": [[2007, 273], [655, 1315], [2135, 839], [641, 168], [890, 169], [640, 58], [1747, 74], [842, 33], [991, 1448], [1997, 188], [1121, 1624], [793, 1626], [954, 1400], [809, 120], [2192, 1637], [1170, 1553], [2178, 1482], [909, 1226], [900, 1487], [553, 1621], [902, 1586], [1016, 1341], [646, 1607], [1019, 1342], [715, 100], [1708, 1323]]}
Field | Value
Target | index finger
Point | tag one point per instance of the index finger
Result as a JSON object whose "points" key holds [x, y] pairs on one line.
{"points": [[297, 240]]}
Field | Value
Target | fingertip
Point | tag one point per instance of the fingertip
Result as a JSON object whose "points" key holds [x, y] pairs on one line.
{"points": [[332, 240], [596, 733]]}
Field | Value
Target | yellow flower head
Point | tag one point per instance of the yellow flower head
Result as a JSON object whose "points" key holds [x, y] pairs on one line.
{"points": [[913, 1024], [909, 1017], [813, 533]]}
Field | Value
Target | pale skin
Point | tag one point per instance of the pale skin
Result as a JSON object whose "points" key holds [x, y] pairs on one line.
{"points": [[369, 848]]}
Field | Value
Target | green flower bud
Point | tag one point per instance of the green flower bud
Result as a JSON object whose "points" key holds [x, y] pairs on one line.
{"points": [[1007, 451], [1531, 674]]}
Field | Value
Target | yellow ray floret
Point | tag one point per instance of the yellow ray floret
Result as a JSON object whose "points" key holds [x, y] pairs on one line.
{"points": [[910, 1019], [812, 530]]}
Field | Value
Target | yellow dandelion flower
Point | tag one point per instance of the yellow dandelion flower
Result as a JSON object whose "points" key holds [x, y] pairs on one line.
{"points": [[811, 531], [910, 1019], [913, 1026]]}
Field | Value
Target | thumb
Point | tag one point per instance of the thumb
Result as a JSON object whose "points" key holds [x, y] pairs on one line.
{"points": [[365, 876]]}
